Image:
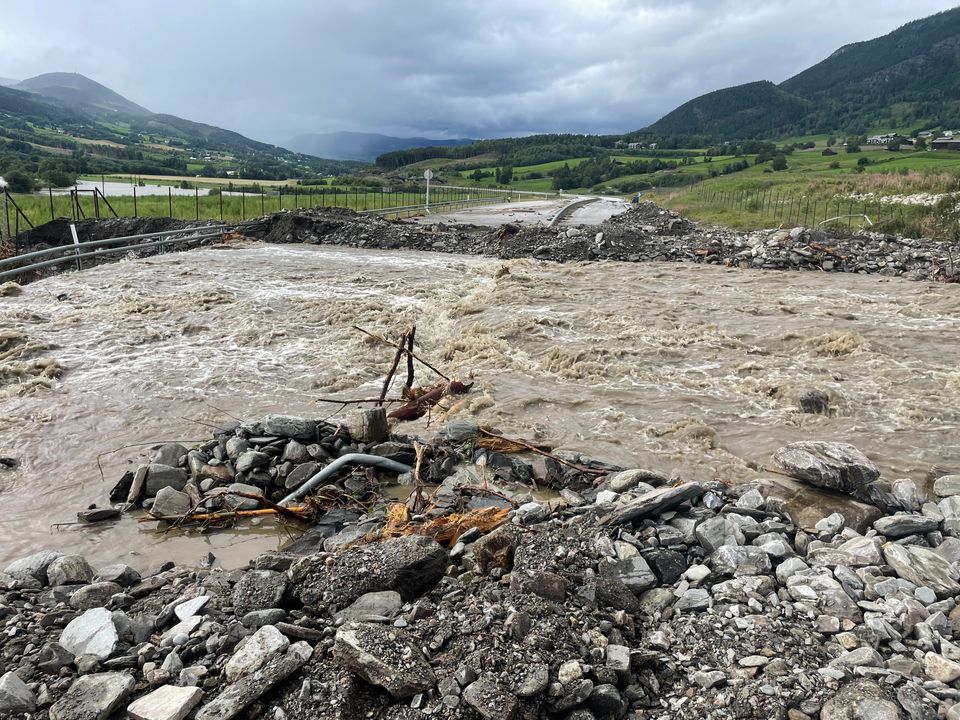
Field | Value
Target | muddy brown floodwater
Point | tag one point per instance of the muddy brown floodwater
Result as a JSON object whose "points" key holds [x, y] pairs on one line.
{"points": [[688, 369]]}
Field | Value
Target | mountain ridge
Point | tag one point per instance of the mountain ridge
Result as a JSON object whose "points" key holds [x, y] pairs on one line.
{"points": [[77, 89], [67, 111], [909, 75]]}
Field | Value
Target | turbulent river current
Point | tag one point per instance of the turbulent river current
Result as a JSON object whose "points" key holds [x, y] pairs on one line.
{"points": [[692, 370]]}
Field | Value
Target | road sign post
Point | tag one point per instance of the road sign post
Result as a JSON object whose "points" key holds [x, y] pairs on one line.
{"points": [[428, 175]]}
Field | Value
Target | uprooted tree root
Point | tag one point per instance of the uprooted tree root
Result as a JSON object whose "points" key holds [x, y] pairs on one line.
{"points": [[445, 530]]}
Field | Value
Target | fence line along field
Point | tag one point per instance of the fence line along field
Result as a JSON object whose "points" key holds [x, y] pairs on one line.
{"points": [[226, 204]]}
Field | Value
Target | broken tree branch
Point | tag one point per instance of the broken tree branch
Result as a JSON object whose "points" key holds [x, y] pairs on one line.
{"points": [[416, 357], [413, 331], [393, 368], [544, 453]]}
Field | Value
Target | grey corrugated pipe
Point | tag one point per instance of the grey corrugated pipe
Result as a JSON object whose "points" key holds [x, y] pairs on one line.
{"points": [[348, 459]]}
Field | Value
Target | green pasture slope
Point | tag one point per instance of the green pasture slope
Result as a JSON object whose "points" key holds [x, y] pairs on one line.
{"points": [[819, 187]]}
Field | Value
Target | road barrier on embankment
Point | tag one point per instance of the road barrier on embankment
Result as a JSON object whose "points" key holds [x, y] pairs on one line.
{"points": [[25, 211], [91, 250]]}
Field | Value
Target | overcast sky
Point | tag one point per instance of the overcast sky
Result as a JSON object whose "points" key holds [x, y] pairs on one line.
{"points": [[453, 68]]}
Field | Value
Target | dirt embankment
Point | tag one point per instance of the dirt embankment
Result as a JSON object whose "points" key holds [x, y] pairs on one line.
{"points": [[644, 233]]}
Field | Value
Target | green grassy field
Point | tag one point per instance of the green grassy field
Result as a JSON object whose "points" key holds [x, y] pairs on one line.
{"points": [[812, 192], [38, 208]]}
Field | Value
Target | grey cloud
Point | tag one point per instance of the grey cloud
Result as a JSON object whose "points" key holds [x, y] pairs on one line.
{"points": [[443, 68]]}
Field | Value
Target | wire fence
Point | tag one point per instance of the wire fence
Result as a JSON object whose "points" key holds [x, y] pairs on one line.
{"points": [[228, 203], [769, 206]]}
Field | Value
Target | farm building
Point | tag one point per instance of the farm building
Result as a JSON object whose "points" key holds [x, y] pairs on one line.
{"points": [[946, 143], [828, 152]]}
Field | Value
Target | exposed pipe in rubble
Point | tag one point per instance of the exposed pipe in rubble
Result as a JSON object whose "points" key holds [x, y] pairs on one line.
{"points": [[348, 459]]}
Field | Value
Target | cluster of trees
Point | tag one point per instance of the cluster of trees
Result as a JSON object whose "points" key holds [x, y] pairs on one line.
{"points": [[530, 150], [596, 170], [23, 175]]}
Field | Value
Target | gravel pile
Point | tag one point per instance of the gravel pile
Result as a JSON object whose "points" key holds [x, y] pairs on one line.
{"points": [[642, 234], [628, 597]]}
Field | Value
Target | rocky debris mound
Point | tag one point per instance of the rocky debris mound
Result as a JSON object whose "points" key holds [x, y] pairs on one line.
{"points": [[652, 219], [268, 458], [248, 467], [341, 226], [629, 598], [644, 233]]}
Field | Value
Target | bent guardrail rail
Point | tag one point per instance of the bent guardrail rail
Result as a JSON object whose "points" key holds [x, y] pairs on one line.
{"points": [[78, 251]]}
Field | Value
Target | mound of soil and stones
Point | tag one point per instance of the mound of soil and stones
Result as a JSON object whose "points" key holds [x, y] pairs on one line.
{"points": [[644, 233], [626, 596]]}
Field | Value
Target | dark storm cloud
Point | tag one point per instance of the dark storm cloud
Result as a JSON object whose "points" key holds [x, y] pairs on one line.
{"points": [[435, 68]]}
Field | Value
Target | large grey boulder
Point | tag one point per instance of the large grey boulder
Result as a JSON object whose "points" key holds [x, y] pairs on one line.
{"points": [[825, 592], [121, 574], [300, 474], [171, 502], [69, 570], [653, 503], [235, 496], [806, 505], [33, 565], [289, 426], [238, 696], [295, 452], [93, 697], [835, 466], [490, 700], [737, 560], [717, 531], [94, 595], [259, 649], [161, 476], [923, 567], [410, 565], [168, 702], [856, 552], [258, 590], [634, 572], [252, 459], [92, 633], [947, 486], [384, 656], [903, 524], [170, 454], [859, 700], [15, 697], [376, 604]]}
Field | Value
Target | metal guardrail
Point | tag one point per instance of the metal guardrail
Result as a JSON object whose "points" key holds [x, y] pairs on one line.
{"points": [[78, 251]]}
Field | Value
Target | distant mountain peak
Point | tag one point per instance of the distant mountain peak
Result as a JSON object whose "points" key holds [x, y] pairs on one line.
{"points": [[77, 89], [903, 77]]}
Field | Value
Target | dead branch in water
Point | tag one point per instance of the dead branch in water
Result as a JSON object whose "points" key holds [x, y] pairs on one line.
{"points": [[358, 401], [380, 338], [422, 399], [300, 512], [413, 331], [401, 348], [544, 453]]}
